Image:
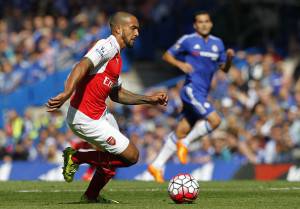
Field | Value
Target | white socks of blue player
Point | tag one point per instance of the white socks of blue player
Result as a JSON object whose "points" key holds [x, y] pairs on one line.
{"points": [[166, 152], [201, 128]]}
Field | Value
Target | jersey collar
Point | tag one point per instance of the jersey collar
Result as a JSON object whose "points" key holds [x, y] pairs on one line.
{"points": [[209, 36], [114, 40]]}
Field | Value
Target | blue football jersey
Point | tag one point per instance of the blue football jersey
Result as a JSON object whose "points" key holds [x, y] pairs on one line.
{"points": [[204, 56]]}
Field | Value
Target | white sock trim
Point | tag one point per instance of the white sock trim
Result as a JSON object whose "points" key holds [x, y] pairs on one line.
{"points": [[168, 149], [201, 128]]}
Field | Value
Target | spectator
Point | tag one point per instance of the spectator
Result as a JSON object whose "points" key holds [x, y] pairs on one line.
{"points": [[260, 101]]}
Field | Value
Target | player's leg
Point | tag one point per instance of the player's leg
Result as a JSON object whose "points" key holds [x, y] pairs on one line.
{"points": [[88, 174], [201, 116], [73, 158], [106, 164], [201, 128], [103, 174], [101, 177], [169, 148], [214, 120], [131, 153], [126, 158], [119, 152]]}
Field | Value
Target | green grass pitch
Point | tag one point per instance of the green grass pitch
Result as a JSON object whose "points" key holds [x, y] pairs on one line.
{"points": [[140, 195]]}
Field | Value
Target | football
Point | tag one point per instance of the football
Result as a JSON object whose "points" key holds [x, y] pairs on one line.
{"points": [[183, 188]]}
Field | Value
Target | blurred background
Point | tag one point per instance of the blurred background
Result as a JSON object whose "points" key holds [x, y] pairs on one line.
{"points": [[259, 99]]}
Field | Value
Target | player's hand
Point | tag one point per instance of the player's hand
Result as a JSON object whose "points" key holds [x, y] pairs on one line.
{"points": [[160, 98], [186, 67], [56, 102], [230, 53]]}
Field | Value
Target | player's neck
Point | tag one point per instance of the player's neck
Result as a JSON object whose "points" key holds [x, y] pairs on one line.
{"points": [[120, 41], [205, 37]]}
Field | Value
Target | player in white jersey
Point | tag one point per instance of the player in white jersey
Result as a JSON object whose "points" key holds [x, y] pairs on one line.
{"points": [[92, 80]]}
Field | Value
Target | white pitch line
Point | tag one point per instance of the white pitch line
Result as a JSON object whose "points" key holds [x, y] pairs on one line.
{"points": [[56, 190], [111, 190], [29, 191], [284, 188], [137, 190], [159, 189]]}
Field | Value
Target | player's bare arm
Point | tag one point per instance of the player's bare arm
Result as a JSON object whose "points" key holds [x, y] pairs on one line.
{"points": [[229, 56], [123, 96], [185, 67], [78, 72]]}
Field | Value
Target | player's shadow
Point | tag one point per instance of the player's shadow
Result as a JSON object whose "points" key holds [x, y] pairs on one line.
{"points": [[94, 203], [78, 203]]}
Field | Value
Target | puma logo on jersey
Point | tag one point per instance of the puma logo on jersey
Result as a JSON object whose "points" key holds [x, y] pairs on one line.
{"points": [[111, 141]]}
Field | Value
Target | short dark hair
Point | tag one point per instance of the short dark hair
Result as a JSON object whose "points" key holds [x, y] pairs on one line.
{"points": [[117, 18], [202, 12]]}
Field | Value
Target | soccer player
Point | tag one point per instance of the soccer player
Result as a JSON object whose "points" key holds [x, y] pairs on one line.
{"points": [[203, 55], [91, 82]]}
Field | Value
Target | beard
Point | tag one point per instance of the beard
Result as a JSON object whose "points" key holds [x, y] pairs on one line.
{"points": [[130, 45], [128, 42]]}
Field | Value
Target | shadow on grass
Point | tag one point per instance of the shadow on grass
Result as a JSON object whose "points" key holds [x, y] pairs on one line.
{"points": [[94, 203]]}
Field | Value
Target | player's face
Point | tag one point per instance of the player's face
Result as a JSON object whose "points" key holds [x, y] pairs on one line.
{"points": [[130, 31], [203, 24]]}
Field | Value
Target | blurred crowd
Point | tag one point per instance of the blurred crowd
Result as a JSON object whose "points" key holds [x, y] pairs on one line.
{"points": [[38, 38], [260, 103], [43, 45], [259, 100]]}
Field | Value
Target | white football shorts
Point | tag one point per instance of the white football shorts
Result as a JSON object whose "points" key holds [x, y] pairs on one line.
{"points": [[103, 133]]}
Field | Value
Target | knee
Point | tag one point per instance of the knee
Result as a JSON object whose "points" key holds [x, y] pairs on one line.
{"points": [[134, 158], [215, 123], [180, 134], [131, 155], [182, 130]]}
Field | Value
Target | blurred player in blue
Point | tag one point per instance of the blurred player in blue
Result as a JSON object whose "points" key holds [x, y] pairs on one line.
{"points": [[203, 54]]}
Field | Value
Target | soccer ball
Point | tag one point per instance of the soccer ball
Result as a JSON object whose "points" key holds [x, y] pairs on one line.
{"points": [[183, 188]]}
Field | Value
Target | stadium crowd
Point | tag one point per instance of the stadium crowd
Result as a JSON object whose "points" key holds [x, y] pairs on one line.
{"points": [[38, 38], [33, 47], [259, 99]]}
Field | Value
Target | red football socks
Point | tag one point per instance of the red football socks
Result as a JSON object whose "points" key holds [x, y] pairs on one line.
{"points": [[100, 179], [99, 159]]}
